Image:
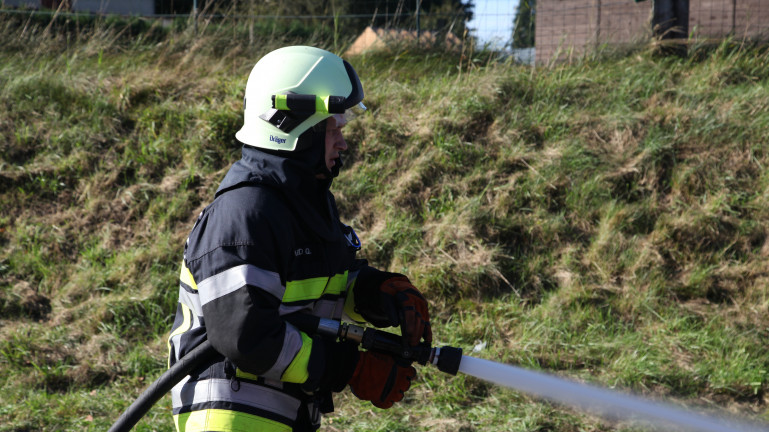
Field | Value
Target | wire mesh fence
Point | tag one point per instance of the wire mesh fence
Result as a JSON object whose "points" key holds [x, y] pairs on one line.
{"points": [[315, 20], [493, 22], [562, 27], [740, 18], [573, 27], [356, 14]]}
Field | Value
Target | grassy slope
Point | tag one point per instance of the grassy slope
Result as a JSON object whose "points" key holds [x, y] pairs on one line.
{"points": [[604, 220]]}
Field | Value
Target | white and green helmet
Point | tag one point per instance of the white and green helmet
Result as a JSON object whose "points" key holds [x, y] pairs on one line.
{"points": [[292, 89]]}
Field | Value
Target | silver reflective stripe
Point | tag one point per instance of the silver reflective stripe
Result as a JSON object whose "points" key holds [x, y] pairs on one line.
{"points": [[176, 340], [185, 394], [179, 391], [191, 300], [351, 277], [325, 308], [235, 278], [339, 310], [278, 384], [292, 343], [285, 310], [176, 344], [328, 308]]}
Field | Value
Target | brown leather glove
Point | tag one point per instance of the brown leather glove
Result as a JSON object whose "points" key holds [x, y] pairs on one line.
{"points": [[380, 379], [412, 309]]}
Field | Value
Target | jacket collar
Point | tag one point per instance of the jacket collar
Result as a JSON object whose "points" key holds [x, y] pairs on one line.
{"points": [[293, 174]]}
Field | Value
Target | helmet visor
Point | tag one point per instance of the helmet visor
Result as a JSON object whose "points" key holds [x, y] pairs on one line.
{"points": [[356, 95], [350, 114]]}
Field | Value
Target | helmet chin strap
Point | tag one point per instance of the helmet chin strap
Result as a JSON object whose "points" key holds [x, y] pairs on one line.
{"points": [[324, 173], [337, 166]]}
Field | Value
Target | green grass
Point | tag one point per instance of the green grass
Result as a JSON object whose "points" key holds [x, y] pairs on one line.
{"points": [[603, 220]]}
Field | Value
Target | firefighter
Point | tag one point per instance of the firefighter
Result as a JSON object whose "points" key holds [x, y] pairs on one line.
{"points": [[270, 245]]}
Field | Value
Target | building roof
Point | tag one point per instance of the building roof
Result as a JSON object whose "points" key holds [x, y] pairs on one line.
{"points": [[373, 38]]}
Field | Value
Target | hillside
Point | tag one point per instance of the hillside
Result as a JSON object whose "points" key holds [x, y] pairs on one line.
{"points": [[604, 220]]}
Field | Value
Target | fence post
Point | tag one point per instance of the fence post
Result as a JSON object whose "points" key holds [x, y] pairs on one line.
{"points": [[670, 20], [195, 15], [419, 30], [598, 26]]}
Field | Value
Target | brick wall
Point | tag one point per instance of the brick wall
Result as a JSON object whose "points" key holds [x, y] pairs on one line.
{"points": [[624, 21], [563, 26], [567, 28], [718, 18]]}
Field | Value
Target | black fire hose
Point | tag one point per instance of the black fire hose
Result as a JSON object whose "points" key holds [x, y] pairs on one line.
{"points": [[163, 385], [446, 358]]}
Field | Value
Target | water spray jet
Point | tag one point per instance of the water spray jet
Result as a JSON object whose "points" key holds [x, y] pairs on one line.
{"points": [[604, 402]]}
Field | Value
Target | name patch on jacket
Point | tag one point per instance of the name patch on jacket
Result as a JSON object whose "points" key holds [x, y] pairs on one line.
{"points": [[302, 251]]}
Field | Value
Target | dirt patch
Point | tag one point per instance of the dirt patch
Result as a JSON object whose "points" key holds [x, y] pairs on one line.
{"points": [[24, 301]]}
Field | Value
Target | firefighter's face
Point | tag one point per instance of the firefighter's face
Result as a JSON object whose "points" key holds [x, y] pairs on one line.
{"points": [[335, 142]]}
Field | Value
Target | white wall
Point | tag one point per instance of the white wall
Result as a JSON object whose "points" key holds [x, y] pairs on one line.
{"points": [[19, 3], [122, 7]]}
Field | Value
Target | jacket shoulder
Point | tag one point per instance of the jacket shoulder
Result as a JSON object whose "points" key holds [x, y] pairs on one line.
{"points": [[243, 217]]}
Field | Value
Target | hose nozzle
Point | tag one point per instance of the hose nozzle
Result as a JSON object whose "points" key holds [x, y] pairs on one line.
{"points": [[447, 359]]}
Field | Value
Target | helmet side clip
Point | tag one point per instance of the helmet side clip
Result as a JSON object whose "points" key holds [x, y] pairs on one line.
{"points": [[290, 110], [286, 121]]}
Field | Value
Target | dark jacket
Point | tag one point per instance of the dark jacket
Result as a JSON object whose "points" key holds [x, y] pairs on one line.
{"points": [[270, 244]]}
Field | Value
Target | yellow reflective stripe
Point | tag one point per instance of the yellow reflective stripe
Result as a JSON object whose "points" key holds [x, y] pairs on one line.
{"points": [[349, 301], [243, 374], [307, 289], [337, 285], [186, 321], [186, 324], [321, 104], [314, 288], [186, 277], [296, 372], [349, 308], [226, 421], [281, 102]]}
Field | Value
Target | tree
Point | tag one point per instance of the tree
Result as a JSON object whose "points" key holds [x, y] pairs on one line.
{"points": [[524, 24]]}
